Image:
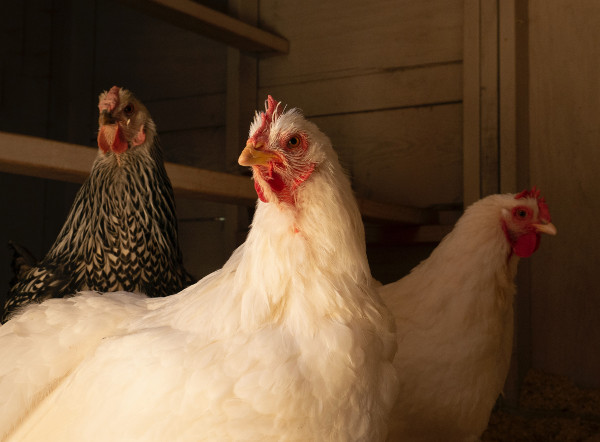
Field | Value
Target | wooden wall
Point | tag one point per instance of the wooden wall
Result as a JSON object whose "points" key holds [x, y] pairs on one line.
{"points": [[31, 210], [564, 82], [385, 87], [56, 56], [383, 80], [532, 99]]}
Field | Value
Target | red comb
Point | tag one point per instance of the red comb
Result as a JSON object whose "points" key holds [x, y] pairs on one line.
{"points": [[542, 206], [110, 100], [272, 107]]}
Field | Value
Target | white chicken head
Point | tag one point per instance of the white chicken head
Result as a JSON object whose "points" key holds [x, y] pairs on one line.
{"points": [[284, 149], [124, 122], [527, 217]]}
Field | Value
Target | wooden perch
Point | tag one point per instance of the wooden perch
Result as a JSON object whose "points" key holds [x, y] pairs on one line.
{"points": [[43, 158], [212, 24]]}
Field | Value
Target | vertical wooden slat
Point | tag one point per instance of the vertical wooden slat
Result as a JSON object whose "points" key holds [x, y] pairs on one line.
{"points": [[508, 97], [496, 132], [471, 105], [513, 150], [242, 84], [489, 97]]}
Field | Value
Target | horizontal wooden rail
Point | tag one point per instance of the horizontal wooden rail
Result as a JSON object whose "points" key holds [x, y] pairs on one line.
{"points": [[43, 158], [212, 24]]}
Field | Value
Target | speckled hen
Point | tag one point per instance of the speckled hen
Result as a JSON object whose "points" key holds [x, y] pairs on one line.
{"points": [[121, 231]]}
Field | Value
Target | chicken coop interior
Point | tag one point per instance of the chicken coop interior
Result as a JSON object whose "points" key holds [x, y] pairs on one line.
{"points": [[430, 105]]}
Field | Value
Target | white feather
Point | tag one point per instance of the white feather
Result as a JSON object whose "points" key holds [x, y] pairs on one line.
{"points": [[454, 316], [287, 342]]}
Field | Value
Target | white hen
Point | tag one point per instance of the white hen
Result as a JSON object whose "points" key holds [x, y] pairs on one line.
{"points": [[454, 315], [288, 341]]}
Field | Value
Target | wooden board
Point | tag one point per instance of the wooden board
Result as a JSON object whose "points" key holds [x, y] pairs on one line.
{"points": [[399, 236], [155, 59], [188, 112], [212, 24], [386, 89], [56, 160], [407, 156], [337, 39], [565, 160], [489, 109], [471, 103]]}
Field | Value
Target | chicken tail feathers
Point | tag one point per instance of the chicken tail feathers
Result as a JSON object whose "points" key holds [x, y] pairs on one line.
{"points": [[22, 261]]}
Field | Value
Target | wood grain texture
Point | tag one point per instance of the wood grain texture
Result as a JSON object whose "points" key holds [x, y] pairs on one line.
{"points": [[44, 158], [410, 156], [565, 160], [212, 24], [336, 39], [154, 59], [388, 89], [471, 102], [202, 147], [187, 112], [489, 101]]}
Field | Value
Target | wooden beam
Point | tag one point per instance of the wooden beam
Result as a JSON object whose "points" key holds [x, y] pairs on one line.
{"points": [[403, 235], [212, 24], [43, 158], [471, 102], [395, 213]]}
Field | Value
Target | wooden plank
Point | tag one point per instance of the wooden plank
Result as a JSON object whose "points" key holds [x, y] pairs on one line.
{"points": [[56, 160], [489, 107], [382, 89], [342, 38], [564, 131], [395, 213], [404, 235], [212, 24], [508, 96], [157, 61], [42, 158], [213, 186], [201, 148], [188, 112], [406, 156], [241, 103], [471, 104]]}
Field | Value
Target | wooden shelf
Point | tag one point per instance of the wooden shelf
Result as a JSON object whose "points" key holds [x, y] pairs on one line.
{"points": [[43, 158], [212, 24]]}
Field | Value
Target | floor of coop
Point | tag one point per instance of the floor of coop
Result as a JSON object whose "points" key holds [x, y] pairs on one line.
{"points": [[551, 408]]}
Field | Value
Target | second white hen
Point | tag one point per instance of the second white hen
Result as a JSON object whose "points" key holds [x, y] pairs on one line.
{"points": [[288, 341], [454, 315]]}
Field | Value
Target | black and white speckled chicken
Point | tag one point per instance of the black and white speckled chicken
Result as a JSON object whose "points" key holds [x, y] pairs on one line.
{"points": [[121, 232]]}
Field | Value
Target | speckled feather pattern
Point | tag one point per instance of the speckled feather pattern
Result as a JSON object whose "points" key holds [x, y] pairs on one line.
{"points": [[120, 234]]}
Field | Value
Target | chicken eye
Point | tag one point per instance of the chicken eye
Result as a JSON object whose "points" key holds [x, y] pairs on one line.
{"points": [[521, 213], [293, 142], [128, 109]]}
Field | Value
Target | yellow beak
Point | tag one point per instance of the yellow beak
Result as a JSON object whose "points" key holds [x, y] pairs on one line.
{"points": [[252, 157], [545, 228]]}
